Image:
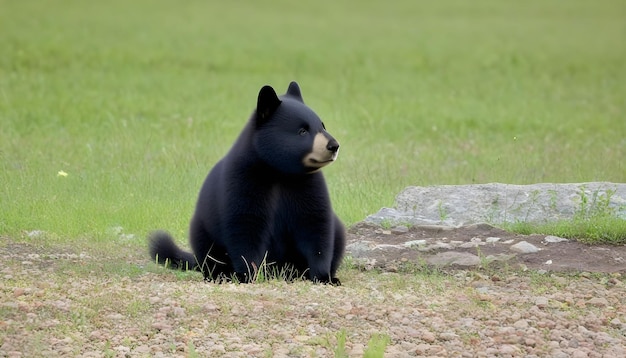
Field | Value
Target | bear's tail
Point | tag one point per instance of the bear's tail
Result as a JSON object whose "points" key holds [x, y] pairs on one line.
{"points": [[164, 251]]}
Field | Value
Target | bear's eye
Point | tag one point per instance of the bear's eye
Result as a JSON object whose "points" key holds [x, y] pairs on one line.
{"points": [[303, 131], [323, 126]]}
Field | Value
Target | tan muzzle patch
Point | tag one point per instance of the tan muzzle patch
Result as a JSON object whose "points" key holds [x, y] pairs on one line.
{"points": [[320, 156]]}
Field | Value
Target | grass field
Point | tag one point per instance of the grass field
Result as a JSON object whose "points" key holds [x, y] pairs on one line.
{"points": [[135, 101]]}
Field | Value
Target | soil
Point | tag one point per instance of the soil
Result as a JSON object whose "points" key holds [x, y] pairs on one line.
{"points": [[389, 252], [60, 301]]}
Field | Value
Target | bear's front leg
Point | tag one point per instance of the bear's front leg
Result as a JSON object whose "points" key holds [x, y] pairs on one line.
{"points": [[317, 246], [248, 244]]}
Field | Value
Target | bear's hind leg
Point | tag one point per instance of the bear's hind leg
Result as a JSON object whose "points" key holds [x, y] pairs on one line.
{"points": [[212, 258], [338, 249]]}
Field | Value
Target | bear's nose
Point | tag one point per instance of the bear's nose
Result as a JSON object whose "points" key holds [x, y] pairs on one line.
{"points": [[332, 146]]}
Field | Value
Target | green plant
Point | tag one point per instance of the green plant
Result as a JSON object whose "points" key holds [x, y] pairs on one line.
{"points": [[386, 223], [443, 213], [553, 198], [340, 349], [376, 346], [595, 221], [191, 351]]}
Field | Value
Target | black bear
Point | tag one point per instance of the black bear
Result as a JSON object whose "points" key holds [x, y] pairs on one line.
{"points": [[266, 202]]}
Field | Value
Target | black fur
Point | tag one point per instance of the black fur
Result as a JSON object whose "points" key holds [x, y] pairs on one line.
{"points": [[264, 202]]}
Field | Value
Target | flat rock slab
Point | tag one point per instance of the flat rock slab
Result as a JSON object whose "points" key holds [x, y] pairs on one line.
{"points": [[495, 203], [472, 246]]}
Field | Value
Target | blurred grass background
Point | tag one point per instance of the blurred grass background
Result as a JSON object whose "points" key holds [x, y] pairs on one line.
{"points": [[136, 101]]}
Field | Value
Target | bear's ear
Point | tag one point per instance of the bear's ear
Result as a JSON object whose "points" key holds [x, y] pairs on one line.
{"points": [[267, 103], [294, 91]]}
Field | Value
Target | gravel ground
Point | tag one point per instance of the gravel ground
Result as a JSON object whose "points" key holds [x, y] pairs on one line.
{"points": [[65, 303]]}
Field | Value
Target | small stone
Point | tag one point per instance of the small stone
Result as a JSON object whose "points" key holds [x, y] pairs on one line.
{"points": [[558, 353], [356, 351], [421, 349], [468, 245], [598, 302], [115, 316], [142, 350], [344, 309], [428, 337], [492, 240], [508, 349], [454, 258], [579, 354], [124, 351], [521, 324], [302, 338], [448, 336], [36, 233], [210, 308], [178, 311], [553, 239], [524, 247], [18, 292], [400, 230], [616, 323], [217, 349], [161, 326], [412, 332], [387, 247], [440, 246], [530, 342], [414, 243], [542, 302]]}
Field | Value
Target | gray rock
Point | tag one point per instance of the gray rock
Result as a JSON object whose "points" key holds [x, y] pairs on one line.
{"points": [[359, 248], [553, 239], [456, 205], [415, 243], [454, 258], [524, 247]]}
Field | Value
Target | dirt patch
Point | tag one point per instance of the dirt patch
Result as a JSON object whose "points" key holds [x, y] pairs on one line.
{"points": [[63, 302], [477, 245]]}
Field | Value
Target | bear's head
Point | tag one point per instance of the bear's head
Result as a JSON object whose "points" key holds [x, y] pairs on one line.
{"points": [[288, 135]]}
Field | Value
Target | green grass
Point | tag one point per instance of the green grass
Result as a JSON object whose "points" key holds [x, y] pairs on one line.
{"points": [[594, 222], [598, 230], [136, 101]]}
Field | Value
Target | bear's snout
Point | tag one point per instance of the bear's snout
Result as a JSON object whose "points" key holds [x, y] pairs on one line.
{"points": [[324, 151], [332, 145]]}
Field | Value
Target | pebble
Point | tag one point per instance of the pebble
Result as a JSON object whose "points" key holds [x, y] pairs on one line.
{"points": [[521, 324], [414, 243], [598, 302], [541, 302], [553, 239], [428, 337], [448, 336], [577, 353], [400, 229], [508, 349], [17, 292], [524, 247]]}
